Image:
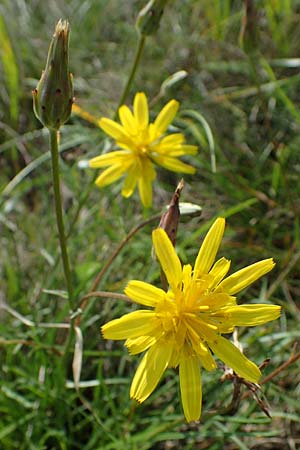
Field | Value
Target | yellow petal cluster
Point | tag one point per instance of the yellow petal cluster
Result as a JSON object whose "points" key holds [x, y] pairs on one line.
{"points": [[184, 326], [141, 145]]}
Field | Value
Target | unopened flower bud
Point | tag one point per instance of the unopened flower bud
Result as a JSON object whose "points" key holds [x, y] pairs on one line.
{"points": [[53, 96], [149, 17], [170, 219]]}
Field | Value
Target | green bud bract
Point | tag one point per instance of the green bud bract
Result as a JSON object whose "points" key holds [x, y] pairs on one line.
{"points": [[53, 96], [149, 17]]}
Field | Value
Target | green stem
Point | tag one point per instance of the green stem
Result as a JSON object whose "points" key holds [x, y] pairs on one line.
{"points": [[59, 213], [136, 62]]}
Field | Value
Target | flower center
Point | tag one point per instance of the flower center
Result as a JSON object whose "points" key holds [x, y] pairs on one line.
{"points": [[182, 308], [142, 150], [173, 311]]}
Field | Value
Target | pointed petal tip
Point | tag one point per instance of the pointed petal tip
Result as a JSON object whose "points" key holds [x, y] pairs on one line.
{"points": [[135, 398], [98, 182], [234, 358], [221, 221], [102, 331], [190, 386], [209, 247], [174, 103], [140, 94], [192, 419], [272, 262], [244, 277]]}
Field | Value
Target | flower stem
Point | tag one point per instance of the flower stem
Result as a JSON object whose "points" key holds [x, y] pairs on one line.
{"points": [[59, 213], [137, 58]]}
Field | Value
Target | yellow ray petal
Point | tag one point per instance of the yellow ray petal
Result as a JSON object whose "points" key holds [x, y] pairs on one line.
{"points": [[186, 279], [128, 120], [145, 191], [165, 117], [209, 248], [219, 271], [233, 358], [201, 328], [201, 349], [173, 145], [167, 257], [252, 315], [189, 149], [113, 129], [145, 177], [150, 370], [110, 175], [172, 139], [190, 387], [179, 150], [140, 344], [127, 145], [242, 278], [132, 325], [107, 159], [175, 359], [130, 182], [215, 301], [225, 327], [85, 114], [207, 360], [174, 164], [140, 109], [144, 293], [152, 132], [147, 169]]}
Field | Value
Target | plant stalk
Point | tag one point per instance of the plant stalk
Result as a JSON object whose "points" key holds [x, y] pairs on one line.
{"points": [[59, 214], [137, 58]]}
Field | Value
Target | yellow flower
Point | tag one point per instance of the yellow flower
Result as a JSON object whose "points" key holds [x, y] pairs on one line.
{"points": [[185, 325], [142, 144]]}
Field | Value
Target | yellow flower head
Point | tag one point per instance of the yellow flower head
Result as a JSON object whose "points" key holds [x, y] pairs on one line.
{"points": [[142, 144], [185, 325]]}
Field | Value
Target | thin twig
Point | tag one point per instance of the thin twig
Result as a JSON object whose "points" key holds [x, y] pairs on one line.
{"points": [[132, 232], [291, 360], [122, 244], [105, 294]]}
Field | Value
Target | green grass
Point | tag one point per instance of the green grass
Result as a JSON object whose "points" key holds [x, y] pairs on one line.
{"points": [[243, 84]]}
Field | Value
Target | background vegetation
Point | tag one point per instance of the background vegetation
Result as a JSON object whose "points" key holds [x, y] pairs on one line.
{"points": [[242, 75]]}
